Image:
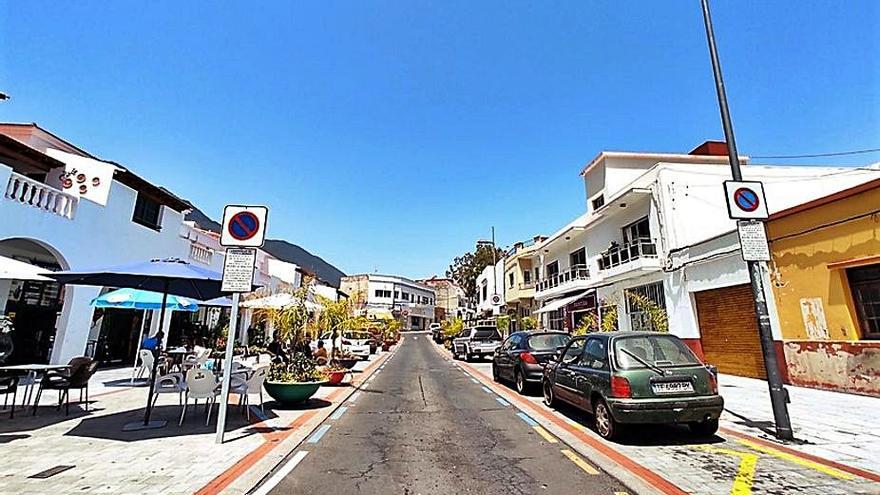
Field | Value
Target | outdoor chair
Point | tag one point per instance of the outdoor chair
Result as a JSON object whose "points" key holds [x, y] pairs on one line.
{"points": [[76, 377], [252, 385], [146, 368], [9, 385], [200, 384], [198, 359], [172, 383]]}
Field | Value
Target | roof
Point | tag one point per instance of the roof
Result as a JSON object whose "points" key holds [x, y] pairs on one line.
{"points": [[816, 203], [660, 157], [19, 151]]}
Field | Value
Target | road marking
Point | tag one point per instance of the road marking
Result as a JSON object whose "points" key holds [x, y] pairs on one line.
{"points": [[280, 474], [525, 417], [576, 459], [354, 396], [745, 473], [338, 413], [830, 471], [502, 401], [546, 434], [577, 425], [318, 434], [474, 380], [486, 389]]}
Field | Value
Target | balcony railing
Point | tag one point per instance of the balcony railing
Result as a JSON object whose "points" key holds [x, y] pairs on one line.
{"points": [[575, 272], [200, 254], [618, 255], [527, 285], [39, 195]]}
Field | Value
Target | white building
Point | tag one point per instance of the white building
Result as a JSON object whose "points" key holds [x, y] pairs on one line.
{"points": [[382, 296], [657, 225], [490, 290], [99, 215]]}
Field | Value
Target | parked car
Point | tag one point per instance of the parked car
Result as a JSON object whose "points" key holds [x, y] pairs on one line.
{"points": [[521, 358], [476, 342], [436, 332], [634, 377], [353, 341]]}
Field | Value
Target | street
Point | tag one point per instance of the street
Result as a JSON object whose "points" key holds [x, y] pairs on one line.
{"points": [[423, 426]]}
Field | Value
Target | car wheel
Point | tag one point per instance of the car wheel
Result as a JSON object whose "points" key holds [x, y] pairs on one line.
{"points": [[495, 375], [606, 427], [520, 382], [705, 428], [549, 397]]}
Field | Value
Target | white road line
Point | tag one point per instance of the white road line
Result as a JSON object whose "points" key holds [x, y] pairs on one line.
{"points": [[280, 474], [354, 397]]}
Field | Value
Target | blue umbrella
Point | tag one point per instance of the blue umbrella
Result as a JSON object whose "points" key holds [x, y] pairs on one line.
{"points": [[142, 299], [218, 302], [166, 276]]}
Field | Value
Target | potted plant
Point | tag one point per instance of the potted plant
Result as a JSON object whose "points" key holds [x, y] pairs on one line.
{"points": [[335, 373], [391, 333], [295, 381]]}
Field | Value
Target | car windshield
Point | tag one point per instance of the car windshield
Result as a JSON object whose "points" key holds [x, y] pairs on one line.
{"points": [[658, 350], [548, 341], [486, 333], [357, 335]]}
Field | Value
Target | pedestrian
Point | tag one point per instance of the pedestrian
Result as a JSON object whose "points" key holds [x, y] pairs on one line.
{"points": [[276, 350], [320, 354]]}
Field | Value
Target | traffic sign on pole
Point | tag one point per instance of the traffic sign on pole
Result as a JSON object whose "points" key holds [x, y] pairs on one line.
{"points": [[745, 200], [238, 270], [243, 226], [753, 240]]}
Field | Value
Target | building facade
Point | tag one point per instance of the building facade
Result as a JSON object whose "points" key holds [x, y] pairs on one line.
{"points": [[490, 290], [450, 301], [383, 296], [520, 278]]}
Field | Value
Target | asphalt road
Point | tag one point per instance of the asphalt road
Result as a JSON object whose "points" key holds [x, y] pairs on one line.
{"points": [[421, 426]]}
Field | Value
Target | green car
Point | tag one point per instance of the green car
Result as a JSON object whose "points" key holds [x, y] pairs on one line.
{"points": [[634, 377]]}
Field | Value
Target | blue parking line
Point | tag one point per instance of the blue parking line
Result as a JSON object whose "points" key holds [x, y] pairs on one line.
{"points": [[338, 413], [502, 401], [316, 436], [529, 421], [486, 389]]}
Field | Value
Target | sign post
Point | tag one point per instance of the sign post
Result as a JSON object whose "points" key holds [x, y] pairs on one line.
{"points": [[244, 229], [745, 201]]}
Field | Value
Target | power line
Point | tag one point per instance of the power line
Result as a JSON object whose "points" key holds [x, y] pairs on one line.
{"points": [[820, 155]]}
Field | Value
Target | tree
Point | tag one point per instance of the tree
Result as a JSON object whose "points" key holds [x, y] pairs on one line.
{"points": [[465, 269]]}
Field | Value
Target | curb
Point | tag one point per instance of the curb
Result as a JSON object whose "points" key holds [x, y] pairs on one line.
{"points": [[248, 472]]}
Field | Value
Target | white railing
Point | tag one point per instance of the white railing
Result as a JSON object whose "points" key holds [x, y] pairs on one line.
{"points": [[200, 254], [39, 195], [575, 272]]}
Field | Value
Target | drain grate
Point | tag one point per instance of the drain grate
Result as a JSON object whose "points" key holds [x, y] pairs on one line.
{"points": [[52, 471]]}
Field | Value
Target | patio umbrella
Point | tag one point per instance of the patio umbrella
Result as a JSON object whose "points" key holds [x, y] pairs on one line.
{"points": [[217, 302], [145, 300], [11, 269], [170, 276]]}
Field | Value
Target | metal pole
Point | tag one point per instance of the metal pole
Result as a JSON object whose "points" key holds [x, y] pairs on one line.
{"points": [[137, 351], [227, 368], [156, 355], [778, 394]]}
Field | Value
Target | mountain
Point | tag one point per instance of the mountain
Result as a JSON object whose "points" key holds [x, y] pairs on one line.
{"points": [[281, 249]]}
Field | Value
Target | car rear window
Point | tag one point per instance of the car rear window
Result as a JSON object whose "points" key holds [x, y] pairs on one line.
{"points": [[548, 341], [486, 333], [659, 350]]}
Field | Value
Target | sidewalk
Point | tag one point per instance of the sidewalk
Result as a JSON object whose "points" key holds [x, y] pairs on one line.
{"points": [[92, 454], [835, 426]]}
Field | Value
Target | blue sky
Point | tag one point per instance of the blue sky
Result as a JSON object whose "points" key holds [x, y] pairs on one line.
{"points": [[391, 135]]}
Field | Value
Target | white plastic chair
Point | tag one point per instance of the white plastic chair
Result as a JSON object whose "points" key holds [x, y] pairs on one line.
{"points": [[200, 384], [252, 385], [171, 383], [197, 360]]}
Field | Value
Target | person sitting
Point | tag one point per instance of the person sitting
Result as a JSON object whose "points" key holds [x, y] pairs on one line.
{"points": [[276, 350], [320, 354], [154, 343]]}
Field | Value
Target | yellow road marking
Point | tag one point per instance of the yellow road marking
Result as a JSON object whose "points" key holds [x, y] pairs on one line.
{"points": [[579, 462], [830, 471], [745, 474], [544, 433], [577, 425], [621, 493]]}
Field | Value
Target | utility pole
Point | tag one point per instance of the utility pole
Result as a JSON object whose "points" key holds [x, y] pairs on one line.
{"points": [[778, 394]]}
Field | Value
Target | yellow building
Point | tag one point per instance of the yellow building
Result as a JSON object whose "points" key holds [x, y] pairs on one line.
{"points": [[519, 281], [826, 283]]}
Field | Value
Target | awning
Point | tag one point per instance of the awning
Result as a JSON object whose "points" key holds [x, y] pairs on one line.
{"points": [[555, 304], [11, 269]]}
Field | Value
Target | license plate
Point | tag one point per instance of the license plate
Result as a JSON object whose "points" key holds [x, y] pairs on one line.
{"points": [[672, 387]]}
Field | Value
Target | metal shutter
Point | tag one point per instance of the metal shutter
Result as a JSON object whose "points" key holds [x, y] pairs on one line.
{"points": [[729, 332]]}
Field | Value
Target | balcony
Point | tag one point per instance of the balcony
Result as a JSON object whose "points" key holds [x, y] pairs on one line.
{"points": [[200, 254], [527, 285], [564, 278], [39, 195], [641, 254]]}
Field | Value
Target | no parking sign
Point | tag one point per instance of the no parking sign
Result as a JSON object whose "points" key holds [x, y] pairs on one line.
{"points": [[745, 200], [243, 226]]}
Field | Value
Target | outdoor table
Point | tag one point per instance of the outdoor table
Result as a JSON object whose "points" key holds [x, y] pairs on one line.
{"points": [[177, 356], [32, 371]]}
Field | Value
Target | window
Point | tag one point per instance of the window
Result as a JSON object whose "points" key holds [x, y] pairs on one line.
{"points": [[537, 273], [636, 231], [556, 319], [527, 277], [485, 292], [595, 355], [864, 283], [511, 278], [382, 293], [552, 269], [511, 342], [578, 258], [598, 202], [659, 350], [147, 212], [397, 294], [573, 352], [639, 316]]}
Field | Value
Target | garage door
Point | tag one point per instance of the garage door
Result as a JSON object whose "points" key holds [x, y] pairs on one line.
{"points": [[729, 332]]}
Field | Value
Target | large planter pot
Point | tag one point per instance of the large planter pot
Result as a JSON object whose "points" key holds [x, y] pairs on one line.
{"points": [[336, 377], [292, 393]]}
